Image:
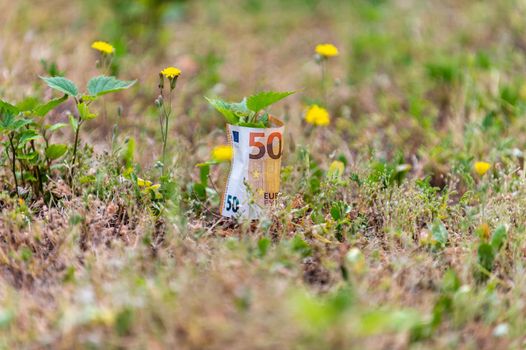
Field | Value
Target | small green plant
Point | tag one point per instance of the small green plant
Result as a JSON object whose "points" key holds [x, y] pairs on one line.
{"points": [[27, 142], [487, 251], [96, 87], [29, 152], [249, 112]]}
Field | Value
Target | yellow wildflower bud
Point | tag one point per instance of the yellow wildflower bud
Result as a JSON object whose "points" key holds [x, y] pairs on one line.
{"points": [[222, 153], [143, 183], [317, 115], [171, 72], [327, 50], [481, 167], [103, 47]]}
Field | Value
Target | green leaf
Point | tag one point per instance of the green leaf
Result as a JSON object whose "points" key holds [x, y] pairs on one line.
{"points": [[26, 136], [240, 109], [336, 212], [56, 151], [262, 100], [252, 125], [27, 104], [7, 108], [62, 84], [43, 109], [450, 281], [28, 156], [73, 122], [263, 245], [124, 322], [498, 237], [19, 123], [486, 256], [439, 232], [225, 109], [203, 174], [102, 85], [7, 121], [84, 112], [55, 126]]}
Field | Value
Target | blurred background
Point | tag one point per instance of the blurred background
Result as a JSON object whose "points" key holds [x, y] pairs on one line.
{"points": [[410, 75]]}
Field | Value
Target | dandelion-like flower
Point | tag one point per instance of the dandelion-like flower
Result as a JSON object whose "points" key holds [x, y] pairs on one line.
{"points": [[318, 116], [171, 72], [481, 167], [222, 153], [327, 50], [103, 47], [143, 183]]}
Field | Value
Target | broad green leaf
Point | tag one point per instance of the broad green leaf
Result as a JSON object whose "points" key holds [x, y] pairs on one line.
{"points": [[19, 123], [56, 126], [56, 151], [84, 112], [225, 109], [103, 85], [11, 123], [29, 156], [62, 84], [440, 234], [43, 109], [26, 136], [27, 104], [7, 108], [262, 100], [7, 121], [498, 237]]}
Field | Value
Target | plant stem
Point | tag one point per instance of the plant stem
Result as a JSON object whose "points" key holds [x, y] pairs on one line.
{"points": [[75, 146], [164, 130], [13, 164], [323, 81]]}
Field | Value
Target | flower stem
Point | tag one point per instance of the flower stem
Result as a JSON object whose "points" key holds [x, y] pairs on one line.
{"points": [[75, 147], [324, 82]]}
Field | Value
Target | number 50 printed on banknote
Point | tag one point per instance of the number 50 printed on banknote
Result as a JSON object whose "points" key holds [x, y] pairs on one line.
{"points": [[253, 182]]}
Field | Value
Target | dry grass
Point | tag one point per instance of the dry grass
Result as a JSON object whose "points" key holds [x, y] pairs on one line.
{"points": [[435, 85]]}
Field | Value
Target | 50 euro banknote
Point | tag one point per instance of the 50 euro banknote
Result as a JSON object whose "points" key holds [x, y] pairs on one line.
{"points": [[253, 182]]}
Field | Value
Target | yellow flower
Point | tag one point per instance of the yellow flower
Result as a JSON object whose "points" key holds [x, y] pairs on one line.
{"points": [[336, 169], [222, 153], [154, 187], [103, 47], [171, 72], [481, 167], [143, 183], [317, 115], [327, 50]]}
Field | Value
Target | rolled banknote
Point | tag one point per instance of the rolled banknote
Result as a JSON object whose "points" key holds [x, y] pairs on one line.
{"points": [[253, 182]]}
